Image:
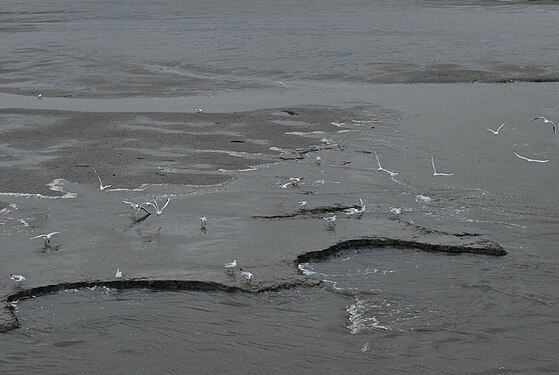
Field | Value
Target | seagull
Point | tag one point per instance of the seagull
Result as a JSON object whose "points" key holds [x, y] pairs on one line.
{"points": [[545, 121], [435, 171], [496, 132], [229, 266], [246, 275], [17, 278], [199, 110], [302, 204], [137, 207], [355, 211], [203, 222], [155, 205], [395, 210], [331, 220], [531, 160], [318, 160], [101, 186], [280, 83], [380, 168], [118, 273], [295, 180], [46, 237]]}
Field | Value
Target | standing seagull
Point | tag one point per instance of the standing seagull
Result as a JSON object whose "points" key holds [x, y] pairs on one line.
{"points": [[380, 168], [229, 266], [546, 121], [496, 132], [17, 278], [531, 160], [246, 275], [203, 222], [46, 237], [303, 204], [435, 171], [155, 205], [331, 220], [101, 186], [318, 160], [118, 273]]}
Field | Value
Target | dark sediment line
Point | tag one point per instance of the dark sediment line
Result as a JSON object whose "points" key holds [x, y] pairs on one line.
{"points": [[483, 247], [322, 210], [11, 322]]}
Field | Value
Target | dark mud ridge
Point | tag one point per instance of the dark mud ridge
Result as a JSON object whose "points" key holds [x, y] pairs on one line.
{"points": [[322, 210], [482, 247], [9, 321]]}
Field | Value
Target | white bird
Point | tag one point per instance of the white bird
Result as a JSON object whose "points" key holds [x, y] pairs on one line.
{"points": [[295, 180], [246, 275], [137, 207], [230, 266], [496, 132], [546, 121], [531, 160], [199, 110], [395, 210], [280, 83], [356, 211], [203, 221], [40, 96], [18, 278], [118, 273], [318, 160], [380, 168], [435, 173], [46, 237], [155, 205], [101, 186], [331, 220], [303, 204]]}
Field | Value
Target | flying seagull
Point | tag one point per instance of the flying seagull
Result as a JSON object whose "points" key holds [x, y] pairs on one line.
{"points": [[137, 207], [46, 237], [101, 186], [380, 168], [531, 160], [496, 132], [546, 121], [155, 205], [435, 173]]}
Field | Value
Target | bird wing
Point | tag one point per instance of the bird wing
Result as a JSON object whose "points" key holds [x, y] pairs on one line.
{"points": [[538, 118], [492, 131], [39, 236], [433, 164], [99, 178], [379, 166], [165, 205], [499, 128], [52, 234], [521, 157]]}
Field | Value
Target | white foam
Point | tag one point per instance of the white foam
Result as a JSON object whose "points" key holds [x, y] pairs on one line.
{"points": [[360, 317]]}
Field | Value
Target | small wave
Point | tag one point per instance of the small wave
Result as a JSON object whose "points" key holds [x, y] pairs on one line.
{"points": [[361, 318]]}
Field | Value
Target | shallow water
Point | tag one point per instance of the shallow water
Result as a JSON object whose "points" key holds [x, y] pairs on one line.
{"points": [[391, 310]]}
